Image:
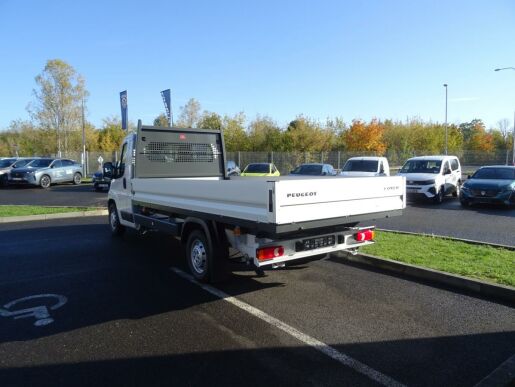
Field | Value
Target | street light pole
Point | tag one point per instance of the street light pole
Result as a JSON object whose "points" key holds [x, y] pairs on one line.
{"points": [[446, 147], [513, 139], [84, 171]]}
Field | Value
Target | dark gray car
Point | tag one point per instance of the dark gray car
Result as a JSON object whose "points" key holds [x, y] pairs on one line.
{"points": [[47, 171], [8, 164]]}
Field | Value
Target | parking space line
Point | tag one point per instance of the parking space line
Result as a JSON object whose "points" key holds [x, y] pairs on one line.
{"points": [[501, 376], [304, 338]]}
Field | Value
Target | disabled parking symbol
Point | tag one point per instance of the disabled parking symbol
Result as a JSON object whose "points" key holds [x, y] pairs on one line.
{"points": [[40, 312]]}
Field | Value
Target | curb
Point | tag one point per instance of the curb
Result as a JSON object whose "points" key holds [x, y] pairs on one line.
{"points": [[63, 215], [487, 289]]}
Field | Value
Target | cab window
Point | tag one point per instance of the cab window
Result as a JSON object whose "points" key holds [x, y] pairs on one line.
{"points": [[57, 164], [123, 159], [454, 164], [67, 163], [446, 167]]}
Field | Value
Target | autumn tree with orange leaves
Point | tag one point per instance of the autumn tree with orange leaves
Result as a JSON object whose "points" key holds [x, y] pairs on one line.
{"points": [[366, 137]]}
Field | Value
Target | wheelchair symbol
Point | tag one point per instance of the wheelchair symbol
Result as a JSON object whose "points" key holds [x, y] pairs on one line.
{"points": [[41, 312]]}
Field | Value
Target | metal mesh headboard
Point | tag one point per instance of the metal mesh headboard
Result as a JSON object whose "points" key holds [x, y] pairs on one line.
{"points": [[175, 152]]}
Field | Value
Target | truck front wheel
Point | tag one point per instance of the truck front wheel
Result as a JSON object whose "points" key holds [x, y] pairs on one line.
{"points": [[116, 227], [199, 255]]}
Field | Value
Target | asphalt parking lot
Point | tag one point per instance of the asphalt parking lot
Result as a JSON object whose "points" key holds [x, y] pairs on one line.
{"points": [[82, 195], [485, 223], [123, 317]]}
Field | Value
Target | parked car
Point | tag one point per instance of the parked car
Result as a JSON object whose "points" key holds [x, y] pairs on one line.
{"points": [[490, 184], [261, 169], [47, 171], [366, 166], [102, 179], [314, 169], [233, 169], [432, 177], [8, 164]]}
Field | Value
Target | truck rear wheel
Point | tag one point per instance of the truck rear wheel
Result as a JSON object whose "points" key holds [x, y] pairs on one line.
{"points": [[199, 255]]}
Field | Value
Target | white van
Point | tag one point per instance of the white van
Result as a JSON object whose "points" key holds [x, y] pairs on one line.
{"points": [[432, 177], [366, 166]]}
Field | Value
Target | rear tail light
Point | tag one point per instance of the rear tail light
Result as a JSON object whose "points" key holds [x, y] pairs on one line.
{"points": [[366, 235], [267, 253]]}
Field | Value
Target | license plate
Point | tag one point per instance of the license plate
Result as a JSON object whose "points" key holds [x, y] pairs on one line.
{"points": [[103, 185], [411, 190], [316, 243], [16, 178]]}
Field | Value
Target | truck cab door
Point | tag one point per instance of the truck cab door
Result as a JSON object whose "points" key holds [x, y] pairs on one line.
{"points": [[448, 177], [121, 185]]}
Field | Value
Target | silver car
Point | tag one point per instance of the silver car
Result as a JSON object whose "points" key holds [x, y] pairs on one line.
{"points": [[45, 171], [7, 164]]}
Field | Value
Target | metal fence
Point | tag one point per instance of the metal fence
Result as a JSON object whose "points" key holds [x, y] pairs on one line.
{"points": [[286, 161]]}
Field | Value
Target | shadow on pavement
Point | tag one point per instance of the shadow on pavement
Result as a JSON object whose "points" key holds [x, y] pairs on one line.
{"points": [[103, 279], [413, 362]]}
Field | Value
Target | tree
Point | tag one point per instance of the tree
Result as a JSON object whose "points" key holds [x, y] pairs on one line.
{"points": [[365, 137], [161, 120], [210, 120], [504, 129], [264, 135], [235, 136], [306, 135], [111, 136], [58, 98], [190, 114]]}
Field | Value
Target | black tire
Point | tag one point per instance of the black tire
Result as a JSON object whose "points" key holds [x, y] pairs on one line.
{"points": [[456, 192], [464, 203], [117, 229], [3, 180], [199, 255], [45, 181], [438, 199], [77, 178]]}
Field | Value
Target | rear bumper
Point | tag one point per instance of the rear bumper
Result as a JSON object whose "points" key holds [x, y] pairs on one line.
{"points": [[343, 241]]}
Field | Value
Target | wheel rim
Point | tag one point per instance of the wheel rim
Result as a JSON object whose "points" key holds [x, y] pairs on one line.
{"points": [[198, 256], [45, 181], [77, 179], [113, 220]]}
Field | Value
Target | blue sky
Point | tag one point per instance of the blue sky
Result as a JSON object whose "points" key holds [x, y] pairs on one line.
{"points": [[354, 59]]}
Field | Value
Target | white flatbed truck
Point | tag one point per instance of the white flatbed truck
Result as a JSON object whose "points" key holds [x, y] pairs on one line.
{"points": [[174, 180]]}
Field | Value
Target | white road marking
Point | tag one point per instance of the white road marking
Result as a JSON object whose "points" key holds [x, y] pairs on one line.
{"points": [[306, 339]]}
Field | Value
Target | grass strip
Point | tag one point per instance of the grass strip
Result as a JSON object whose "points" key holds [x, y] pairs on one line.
{"points": [[475, 261], [38, 210]]}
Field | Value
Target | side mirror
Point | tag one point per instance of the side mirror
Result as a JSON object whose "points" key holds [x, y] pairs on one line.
{"points": [[53, 166], [108, 169], [447, 172]]}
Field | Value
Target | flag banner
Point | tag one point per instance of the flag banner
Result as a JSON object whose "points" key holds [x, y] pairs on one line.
{"points": [[123, 104], [165, 94]]}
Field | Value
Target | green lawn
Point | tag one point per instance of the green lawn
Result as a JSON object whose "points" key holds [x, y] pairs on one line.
{"points": [[481, 262], [37, 210]]}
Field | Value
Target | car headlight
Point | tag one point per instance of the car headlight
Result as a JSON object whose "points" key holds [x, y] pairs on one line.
{"points": [[464, 187], [508, 188]]}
